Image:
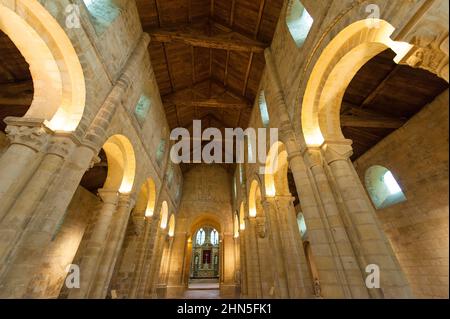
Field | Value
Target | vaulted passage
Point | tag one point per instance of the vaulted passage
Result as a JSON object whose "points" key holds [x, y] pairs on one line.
{"points": [[224, 149]]}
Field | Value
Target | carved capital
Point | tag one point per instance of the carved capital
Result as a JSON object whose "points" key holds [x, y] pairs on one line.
{"points": [[109, 196], [337, 151], [31, 133], [60, 146], [261, 226], [432, 60], [313, 157]]}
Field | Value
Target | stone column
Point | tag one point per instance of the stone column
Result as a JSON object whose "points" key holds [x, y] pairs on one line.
{"points": [[29, 138], [155, 265], [345, 272], [96, 245], [369, 241], [281, 290], [113, 247], [28, 227], [147, 224], [175, 275], [140, 290], [243, 264], [252, 259], [299, 281]]}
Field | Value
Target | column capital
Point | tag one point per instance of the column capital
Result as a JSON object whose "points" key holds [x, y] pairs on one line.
{"points": [[109, 196], [126, 200], [313, 157], [61, 146], [32, 133], [337, 151]]}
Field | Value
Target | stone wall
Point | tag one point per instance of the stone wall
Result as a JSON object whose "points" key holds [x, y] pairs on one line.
{"points": [[417, 155]]}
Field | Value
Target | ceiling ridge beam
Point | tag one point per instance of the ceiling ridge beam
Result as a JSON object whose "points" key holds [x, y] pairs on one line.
{"points": [[195, 38]]}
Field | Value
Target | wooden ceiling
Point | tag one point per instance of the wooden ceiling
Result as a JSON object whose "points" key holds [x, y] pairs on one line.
{"points": [[382, 97], [16, 86], [208, 56]]}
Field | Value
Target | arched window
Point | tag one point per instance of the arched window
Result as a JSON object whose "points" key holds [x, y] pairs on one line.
{"points": [[382, 187], [160, 151], [263, 109], [142, 108], [200, 239], [298, 21], [301, 225], [102, 12], [214, 237], [241, 174]]}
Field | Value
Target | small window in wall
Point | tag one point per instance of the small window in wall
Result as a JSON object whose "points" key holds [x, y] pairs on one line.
{"points": [[169, 176], [201, 236], [382, 187], [298, 21], [214, 237], [160, 151], [102, 12], [241, 174], [263, 109], [142, 108], [301, 225]]}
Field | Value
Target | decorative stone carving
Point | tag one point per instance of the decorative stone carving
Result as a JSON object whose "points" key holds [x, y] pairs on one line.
{"points": [[261, 226], [35, 137], [337, 151], [317, 288], [60, 146]]}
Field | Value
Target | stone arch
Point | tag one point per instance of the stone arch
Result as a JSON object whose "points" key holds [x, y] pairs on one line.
{"points": [[58, 80], [145, 203], [236, 225], [205, 220], [338, 64], [242, 216], [254, 199], [276, 170], [171, 225], [121, 164], [164, 215]]}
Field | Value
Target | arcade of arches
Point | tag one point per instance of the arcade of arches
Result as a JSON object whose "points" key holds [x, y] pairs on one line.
{"points": [[92, 205]]}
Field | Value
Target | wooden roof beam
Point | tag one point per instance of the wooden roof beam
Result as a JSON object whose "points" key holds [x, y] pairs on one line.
{"points": [[371, 122], [197, 39]]}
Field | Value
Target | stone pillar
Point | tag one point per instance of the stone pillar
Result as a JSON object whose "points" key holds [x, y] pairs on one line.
{"points": [[243, 264], [148, 224], [281, 289], [155, 265], [96, 245], [28, 227], [299, 281], [113, 247], [29, 138], [345, 271], [369, 241], [175, 275], [228, 270], [252, 259]]}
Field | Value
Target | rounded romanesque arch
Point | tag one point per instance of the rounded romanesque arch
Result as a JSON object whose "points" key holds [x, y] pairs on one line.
{"points": [[58, 80], [242, 216], [171, 232], [254, 199], [146, 199], [121, 164], [338, 64], [276, 170], [164, 215]]}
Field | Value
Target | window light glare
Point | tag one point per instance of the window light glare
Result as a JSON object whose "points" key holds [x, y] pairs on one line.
{"points": [[391, 183]]}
